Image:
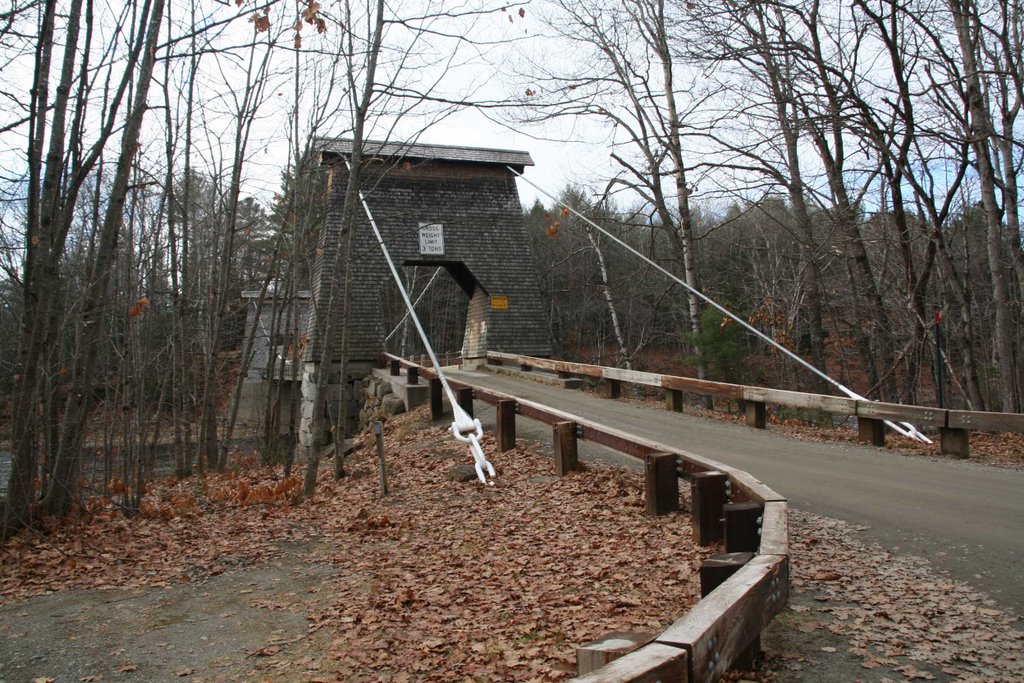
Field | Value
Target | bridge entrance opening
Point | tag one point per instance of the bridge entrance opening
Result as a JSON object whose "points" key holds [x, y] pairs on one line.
{"points": [[442, 292]]}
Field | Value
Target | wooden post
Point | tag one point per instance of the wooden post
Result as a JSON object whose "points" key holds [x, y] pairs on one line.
{"points": [[871, 431], [674, 400], [413, 375], [436, 399], [563, 439], [743, 527], [714, 571], [378, 430], [954, 442], [562, 374], [525, 368], [612, 388], [396, 368], [506, 427], [757, 414], [661, 483], [708, 498], [609, 647], [718, 567], [465, 398]]}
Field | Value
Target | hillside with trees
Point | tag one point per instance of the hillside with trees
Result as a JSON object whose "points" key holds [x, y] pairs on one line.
{"points": [[841, 176]]}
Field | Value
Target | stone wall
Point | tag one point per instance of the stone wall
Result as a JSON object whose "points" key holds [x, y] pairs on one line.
{"points": [[343, 398], [378, 402]]}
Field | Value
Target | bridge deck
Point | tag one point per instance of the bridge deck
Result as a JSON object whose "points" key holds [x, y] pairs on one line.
{"points": [[965, 518]]}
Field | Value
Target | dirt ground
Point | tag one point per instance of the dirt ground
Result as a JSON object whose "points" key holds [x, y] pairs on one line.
{"points": [[860, 613], [345, 588], [218, 628], [252, 623]]}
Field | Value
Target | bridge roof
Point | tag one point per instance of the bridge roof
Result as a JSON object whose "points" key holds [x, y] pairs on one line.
{"points": [[427, 152]]}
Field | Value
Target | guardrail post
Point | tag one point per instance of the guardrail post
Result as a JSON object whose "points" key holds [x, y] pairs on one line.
{"points": [[465, 398], [743, 527], [563, 438], [757, 414], [612, 388], [708, 498], [714, 571], [413, 375], [954, 442], [562, 374], [870, 430], [396, 368], [525, 368], [662, 483], [674, 400], [506, 425], [436, 399]]}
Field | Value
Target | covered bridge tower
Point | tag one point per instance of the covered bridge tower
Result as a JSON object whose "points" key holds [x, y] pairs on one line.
{"points": [[436, 205]]}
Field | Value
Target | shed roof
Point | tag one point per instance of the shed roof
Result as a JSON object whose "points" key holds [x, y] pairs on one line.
{"points": [[427, 152]]}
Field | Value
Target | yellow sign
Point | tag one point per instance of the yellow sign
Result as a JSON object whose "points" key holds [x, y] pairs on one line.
{"points": [[499, 303]]}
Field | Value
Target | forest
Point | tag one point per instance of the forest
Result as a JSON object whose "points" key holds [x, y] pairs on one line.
{"points": [[842, 176]]}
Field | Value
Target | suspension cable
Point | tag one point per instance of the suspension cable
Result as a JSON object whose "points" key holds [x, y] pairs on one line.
{"points": [[904, 428], [466, 429], [414, 304]]}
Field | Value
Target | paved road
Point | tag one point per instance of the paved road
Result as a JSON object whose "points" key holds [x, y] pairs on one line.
{"points": [[966, 518]]}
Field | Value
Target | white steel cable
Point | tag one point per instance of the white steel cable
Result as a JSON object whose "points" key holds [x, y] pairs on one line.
{"points": [[466, 429], [904, 428]]}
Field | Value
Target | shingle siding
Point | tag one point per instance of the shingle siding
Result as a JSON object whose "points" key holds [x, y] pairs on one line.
{"points": [[478, 204]]}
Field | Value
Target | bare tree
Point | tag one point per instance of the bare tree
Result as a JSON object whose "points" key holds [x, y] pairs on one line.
{"points": [[624, 75]]}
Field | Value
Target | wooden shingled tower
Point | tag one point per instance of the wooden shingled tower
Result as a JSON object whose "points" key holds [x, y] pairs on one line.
{"points": [[436, 205]]}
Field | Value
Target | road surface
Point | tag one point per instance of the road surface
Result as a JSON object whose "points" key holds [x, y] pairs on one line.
{"points": [[966, 518]]}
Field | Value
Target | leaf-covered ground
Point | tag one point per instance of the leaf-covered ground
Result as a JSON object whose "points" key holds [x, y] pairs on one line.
{"points": [[440, 580], [228, 578], [875, 616]]}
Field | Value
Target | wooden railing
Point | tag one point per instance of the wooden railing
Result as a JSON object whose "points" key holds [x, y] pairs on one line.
{"points": [[726, 502], [953, 425]]}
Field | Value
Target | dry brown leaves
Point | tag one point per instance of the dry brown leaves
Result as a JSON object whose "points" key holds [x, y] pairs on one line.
{"points": [[449, 581], [899, 612], [438, 581], [185, 530]]}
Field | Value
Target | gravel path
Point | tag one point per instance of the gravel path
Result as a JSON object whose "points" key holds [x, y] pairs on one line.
{"points": [[218, 629]]}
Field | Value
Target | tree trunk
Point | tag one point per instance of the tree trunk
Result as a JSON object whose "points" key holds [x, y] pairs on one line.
{"points": [[607, 292], [349, 212], [980, 135], [63, 492], [37, 296]]}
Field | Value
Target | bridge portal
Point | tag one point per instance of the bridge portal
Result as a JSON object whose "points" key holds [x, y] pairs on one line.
{"points": [[435, 205]]}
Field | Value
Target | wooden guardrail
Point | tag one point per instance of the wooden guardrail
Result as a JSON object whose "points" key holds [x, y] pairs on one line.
{"points": [[953, 425], [742, 591]]}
